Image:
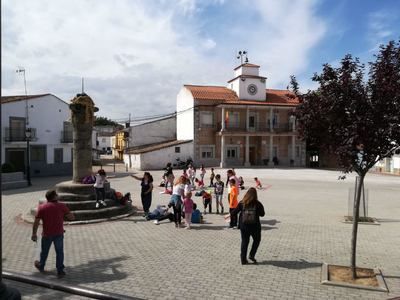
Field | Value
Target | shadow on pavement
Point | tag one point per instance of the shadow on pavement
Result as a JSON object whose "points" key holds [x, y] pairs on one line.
{"points": [[269, 222], [291, 264], [208, 227], [388, 220]]}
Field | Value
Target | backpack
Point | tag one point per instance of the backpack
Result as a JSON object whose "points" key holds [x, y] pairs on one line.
{"points": [[249, 215]]}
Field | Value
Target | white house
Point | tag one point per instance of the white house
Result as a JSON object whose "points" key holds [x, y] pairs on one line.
{"points": [[48, 118]]}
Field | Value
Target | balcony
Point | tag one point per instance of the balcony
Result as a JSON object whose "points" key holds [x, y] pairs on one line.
{"points": [[257, 127], [282, 127], [18, 134], [66, 136]]}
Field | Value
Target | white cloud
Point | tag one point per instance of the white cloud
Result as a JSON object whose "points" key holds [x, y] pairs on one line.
{"points": [[380, 28], [136, 55]]}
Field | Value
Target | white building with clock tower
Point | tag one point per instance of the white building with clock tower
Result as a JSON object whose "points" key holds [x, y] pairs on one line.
{"points": [[241, 124]]}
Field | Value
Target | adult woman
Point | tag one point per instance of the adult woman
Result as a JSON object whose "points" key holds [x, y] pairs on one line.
{"points": [[146, 193], [250, 212], [177, 198]]}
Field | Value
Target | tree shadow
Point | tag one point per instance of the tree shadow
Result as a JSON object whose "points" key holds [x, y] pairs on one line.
{"points": [[205, 226], [291, 264], [269, 222]]}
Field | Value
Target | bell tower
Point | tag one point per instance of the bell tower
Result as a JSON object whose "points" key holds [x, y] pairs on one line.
{"points": [[247, 82]]}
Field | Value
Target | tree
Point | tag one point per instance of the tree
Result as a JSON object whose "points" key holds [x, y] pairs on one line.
{"points": [[354, 115], [104, 121]]}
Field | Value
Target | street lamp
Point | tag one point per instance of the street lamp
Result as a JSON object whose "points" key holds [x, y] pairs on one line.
{"points": [[28, 136]]}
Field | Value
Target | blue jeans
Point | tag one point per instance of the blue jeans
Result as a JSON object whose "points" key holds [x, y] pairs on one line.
{"points": [[58, 241]]}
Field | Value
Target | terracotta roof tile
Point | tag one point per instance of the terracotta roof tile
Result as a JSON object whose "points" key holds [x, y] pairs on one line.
{"points": [[223, 95]]}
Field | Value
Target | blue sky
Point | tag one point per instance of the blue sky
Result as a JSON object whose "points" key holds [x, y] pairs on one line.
{"points": [[135, 55]]}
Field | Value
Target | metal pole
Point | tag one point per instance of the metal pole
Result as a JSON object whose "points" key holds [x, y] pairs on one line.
{"points": [[114, 166]]}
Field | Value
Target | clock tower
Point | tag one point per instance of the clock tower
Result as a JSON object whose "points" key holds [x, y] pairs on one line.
{"points": [[247, 83]]}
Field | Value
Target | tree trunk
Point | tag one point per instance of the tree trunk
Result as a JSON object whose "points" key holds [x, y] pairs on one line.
{"points": [[356, 213]]}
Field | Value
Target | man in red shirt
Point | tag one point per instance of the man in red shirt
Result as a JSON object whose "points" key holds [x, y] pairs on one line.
{"points": [[52, 215]]}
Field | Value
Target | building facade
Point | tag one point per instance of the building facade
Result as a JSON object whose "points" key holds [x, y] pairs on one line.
{"points": [[243, 124], [47, 118]]}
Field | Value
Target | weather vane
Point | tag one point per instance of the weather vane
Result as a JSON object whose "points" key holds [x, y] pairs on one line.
{"points": [[242, 54]]}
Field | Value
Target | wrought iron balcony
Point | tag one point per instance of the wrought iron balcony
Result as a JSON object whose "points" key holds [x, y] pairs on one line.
{"points": [[66, 136], [17, 134]]}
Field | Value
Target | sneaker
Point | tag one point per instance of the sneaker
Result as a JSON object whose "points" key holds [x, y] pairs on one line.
{"points": [[37, 266], [245, 262], [61, 274], [187, 227], [97, 204], [104, 203], [253, 260], [156, 222], [176, 225]]}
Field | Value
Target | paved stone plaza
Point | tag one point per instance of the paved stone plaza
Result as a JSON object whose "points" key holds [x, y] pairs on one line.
{"points": [[302, 229]]}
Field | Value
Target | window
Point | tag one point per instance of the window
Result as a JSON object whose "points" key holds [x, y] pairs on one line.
{"points": [[206, 119], [233, 121], [58, 155], [232, 152], [38, 153], [207, 152], [275, 120], [17, 129], [177, 149], [103, 140], [297, 151]]}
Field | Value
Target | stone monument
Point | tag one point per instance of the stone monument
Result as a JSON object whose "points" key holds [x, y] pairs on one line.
{"points": [[79, 197]]}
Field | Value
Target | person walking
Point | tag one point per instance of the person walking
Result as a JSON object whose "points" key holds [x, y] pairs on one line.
{"points": [[146, 193], [101, 179], [250, 212], [191, 174], [202, 172], [168, 176], [52, 214], [176, 199]]}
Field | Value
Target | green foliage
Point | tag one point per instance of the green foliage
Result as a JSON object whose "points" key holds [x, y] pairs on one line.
{"points": [[7, 168], [104, 121]]}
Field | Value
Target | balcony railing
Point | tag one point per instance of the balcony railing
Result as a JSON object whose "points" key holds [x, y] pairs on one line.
{"points": [[66, 136], [257, 127], [18, 134]]}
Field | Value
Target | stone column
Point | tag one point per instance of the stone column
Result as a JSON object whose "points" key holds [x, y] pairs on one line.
{"points": [[271, 150], [247, 152], [223, 119], [82, 116], [222, 163]]}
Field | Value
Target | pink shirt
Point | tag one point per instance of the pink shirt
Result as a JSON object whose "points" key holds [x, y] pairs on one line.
{"points": [[188, 205]]}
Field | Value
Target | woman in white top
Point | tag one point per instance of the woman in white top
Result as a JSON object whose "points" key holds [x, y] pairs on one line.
{"points": [[177, 198]]}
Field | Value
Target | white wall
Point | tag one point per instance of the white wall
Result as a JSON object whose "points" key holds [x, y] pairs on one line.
{"points": [[104, 142], [247, 71], [153, 132], [156, 160], [47, 114], [185, 115]]}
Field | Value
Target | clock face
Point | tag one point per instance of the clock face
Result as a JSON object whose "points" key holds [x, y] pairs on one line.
{"points": [[252, 89]]}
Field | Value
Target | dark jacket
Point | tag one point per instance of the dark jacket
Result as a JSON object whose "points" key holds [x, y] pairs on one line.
{"points": [[259, 210]]}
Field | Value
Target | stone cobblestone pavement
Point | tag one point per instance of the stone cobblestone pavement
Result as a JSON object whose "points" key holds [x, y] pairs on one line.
{"points": [[302, 229]]}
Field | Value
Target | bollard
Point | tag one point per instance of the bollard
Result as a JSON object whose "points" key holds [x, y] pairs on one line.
{"points": [[126, 167], [114, 166]]}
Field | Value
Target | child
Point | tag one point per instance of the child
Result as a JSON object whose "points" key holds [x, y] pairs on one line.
{"points": [[101, 179], [258, 183], [188, 209], [212, 175], [196, 215], [241, 183], [233, 202], [191, 174], [146, 193], [207, 201], [202, 172], [200, 183], [219, 191]]}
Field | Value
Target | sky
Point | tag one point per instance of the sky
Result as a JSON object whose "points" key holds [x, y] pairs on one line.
{"points": [[135, 55]]}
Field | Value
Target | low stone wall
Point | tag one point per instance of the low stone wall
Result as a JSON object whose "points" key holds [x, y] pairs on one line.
{"points": [[13, 180]]}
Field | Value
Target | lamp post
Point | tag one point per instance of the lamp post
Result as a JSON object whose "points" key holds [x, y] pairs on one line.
{"points": [[28, 135]]}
